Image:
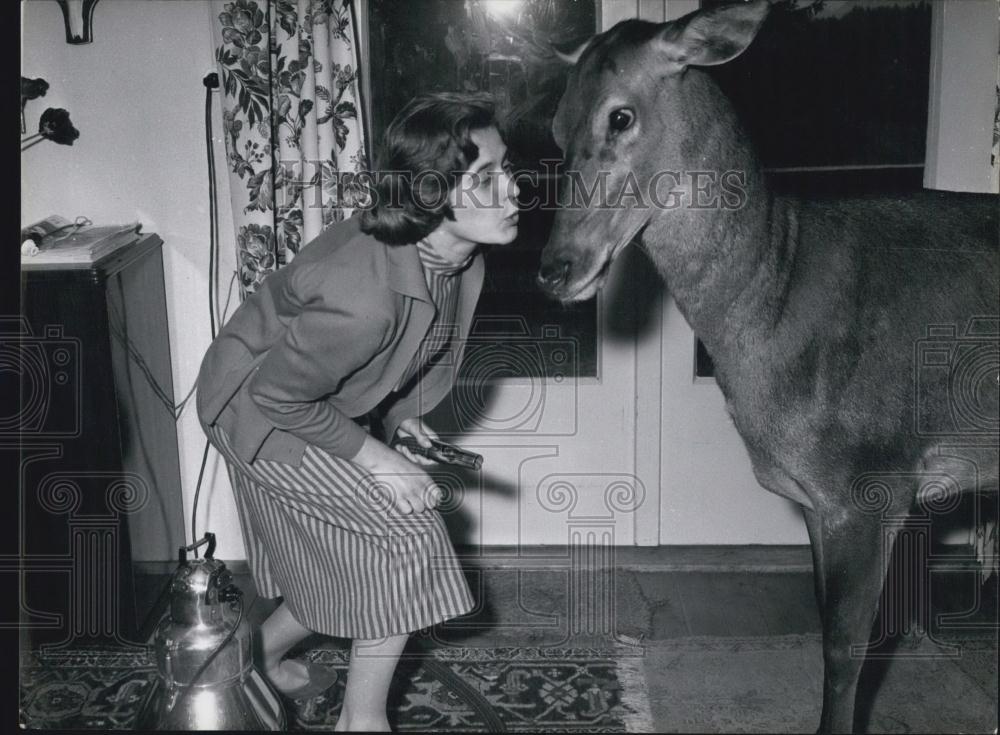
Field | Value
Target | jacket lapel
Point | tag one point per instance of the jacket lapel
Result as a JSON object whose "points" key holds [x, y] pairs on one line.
{"points": [[439, 379], [406, 274], [406, 277], [468, 297]]}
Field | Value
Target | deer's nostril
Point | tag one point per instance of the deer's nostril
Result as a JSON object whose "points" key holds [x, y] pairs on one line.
{"points": [[553, 274]]}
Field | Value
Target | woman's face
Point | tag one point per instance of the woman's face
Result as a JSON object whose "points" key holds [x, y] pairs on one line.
{"points": [[484, 200]]}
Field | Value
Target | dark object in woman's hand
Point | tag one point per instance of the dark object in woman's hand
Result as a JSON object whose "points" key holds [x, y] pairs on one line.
{"points": [[444, 453]]}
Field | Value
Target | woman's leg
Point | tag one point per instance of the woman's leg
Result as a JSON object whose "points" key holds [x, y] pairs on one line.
{"points": [[279, 633], [368, 678]]}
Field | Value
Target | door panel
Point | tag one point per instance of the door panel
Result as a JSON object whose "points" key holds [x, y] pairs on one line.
{"points": [[557, 451]]}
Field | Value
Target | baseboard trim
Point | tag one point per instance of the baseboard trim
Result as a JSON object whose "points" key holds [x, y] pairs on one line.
{"points": [[792, 559], [646, 558]]}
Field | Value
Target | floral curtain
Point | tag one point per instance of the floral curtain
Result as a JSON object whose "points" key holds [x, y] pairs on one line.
{"points": [[292, 118]]}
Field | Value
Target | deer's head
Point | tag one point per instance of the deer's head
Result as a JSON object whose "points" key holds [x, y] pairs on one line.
{"points": [[631, 124]]}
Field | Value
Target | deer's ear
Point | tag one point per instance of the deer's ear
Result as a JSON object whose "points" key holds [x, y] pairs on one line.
{"points": [[571, 57], [714, 36]]}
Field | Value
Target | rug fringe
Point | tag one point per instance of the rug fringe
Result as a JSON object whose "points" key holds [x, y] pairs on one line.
{"points": [[638, 715]]}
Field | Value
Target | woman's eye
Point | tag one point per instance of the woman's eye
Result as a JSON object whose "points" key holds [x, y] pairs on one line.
{"points": [[620, 119]]}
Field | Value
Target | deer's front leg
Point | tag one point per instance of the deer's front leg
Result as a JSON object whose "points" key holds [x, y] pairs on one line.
{"points": [[850, 559]]}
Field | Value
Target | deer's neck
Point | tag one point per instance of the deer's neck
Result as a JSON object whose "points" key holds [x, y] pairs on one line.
{"points": [[725, 265]]}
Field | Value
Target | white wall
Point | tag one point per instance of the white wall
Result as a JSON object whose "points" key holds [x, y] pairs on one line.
{"points": [[136, 96]]}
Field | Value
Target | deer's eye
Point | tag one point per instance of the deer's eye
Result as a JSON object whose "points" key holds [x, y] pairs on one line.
{"points": [[620, 119]]}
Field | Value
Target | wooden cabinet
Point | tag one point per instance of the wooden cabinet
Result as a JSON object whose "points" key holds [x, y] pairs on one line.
{"points": [[100, 492]]}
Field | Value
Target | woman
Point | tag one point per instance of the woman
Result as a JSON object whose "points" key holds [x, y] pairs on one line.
{"points": [[352, 334]]}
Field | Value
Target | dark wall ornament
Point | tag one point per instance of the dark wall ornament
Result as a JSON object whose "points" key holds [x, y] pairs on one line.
{"points": [[54, 124], [31, 89], [78, 17]]}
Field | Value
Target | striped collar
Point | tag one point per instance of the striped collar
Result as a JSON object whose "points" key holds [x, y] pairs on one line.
{"points": [[434, 261]]}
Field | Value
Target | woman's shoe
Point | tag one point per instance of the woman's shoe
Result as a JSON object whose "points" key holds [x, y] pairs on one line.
{"points": [[320, 679]]}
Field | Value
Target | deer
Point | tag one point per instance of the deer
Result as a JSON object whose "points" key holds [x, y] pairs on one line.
{"points": [[838, 327]]}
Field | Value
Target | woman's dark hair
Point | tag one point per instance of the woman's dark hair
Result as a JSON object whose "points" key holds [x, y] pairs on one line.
{"points": [[426, 148]]}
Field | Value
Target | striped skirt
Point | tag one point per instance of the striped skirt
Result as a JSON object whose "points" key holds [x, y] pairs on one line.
{"points": [[325, 537]]}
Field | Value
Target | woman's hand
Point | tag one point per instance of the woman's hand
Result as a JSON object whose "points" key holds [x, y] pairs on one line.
{"points": [[420, 431], [413, 491]]}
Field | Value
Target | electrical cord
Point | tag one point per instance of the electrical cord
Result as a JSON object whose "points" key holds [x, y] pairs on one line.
{"points": [[211, 81], [197, 493], [231, 593], [216, 314], [116, 330]]}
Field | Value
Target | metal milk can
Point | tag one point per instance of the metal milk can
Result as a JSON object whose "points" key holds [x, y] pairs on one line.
{"points": [[207, 680]]}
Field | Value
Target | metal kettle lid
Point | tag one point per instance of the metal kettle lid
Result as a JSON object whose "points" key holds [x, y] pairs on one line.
{"points": [[196, 585], [196, 577]]}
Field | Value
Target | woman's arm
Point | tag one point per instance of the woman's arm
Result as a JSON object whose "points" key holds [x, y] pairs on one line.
{"points": [[322, 347]]}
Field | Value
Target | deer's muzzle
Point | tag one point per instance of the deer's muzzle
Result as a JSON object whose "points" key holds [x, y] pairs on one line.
{"points": [[552, 276]]}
